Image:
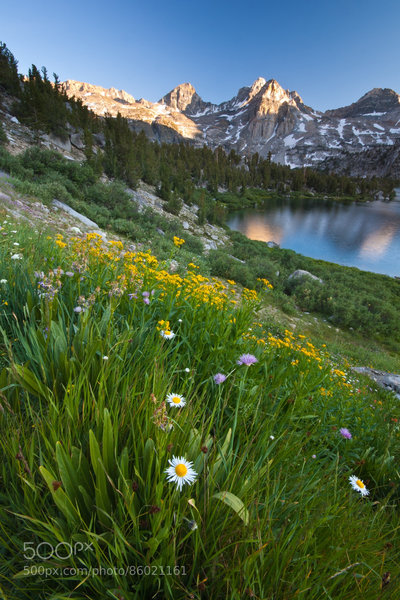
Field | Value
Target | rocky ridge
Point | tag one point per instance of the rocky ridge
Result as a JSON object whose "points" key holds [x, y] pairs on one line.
{"points": [[160, 122], [263, 118]]}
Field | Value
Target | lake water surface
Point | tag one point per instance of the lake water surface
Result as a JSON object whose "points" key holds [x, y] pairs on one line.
{"points": [[364, 235]]}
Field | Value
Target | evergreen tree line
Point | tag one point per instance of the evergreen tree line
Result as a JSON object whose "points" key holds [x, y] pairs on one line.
{"points": [[177, 170]]}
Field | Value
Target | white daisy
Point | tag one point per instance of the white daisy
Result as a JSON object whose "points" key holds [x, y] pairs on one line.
{"points": [[180, 472], [358, 485], [3, 280], [176, 400], [167, 334], [16, 257]]}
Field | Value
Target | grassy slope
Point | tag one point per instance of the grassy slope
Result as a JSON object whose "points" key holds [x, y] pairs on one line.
{"points": [[351, 347], [85, 437]]}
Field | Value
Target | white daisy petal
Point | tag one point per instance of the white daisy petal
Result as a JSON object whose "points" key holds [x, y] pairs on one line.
{"points": [[180, 472], [358, 485], [167, 334], [175, 400]]}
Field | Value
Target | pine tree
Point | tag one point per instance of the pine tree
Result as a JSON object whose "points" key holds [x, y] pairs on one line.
{"points": [[9, 79]]}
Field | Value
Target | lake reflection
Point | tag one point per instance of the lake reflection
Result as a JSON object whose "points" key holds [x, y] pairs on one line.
{"points": [[366, 236]]}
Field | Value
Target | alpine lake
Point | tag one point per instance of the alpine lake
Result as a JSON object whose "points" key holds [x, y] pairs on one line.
{"points": [[365, 235]]}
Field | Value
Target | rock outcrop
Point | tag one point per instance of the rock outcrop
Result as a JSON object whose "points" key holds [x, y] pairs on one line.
{"points": [[388, 381], [300, 274]]}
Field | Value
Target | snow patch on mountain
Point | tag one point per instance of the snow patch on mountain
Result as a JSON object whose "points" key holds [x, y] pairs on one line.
{"points": [[341, 126], [290, 141]]}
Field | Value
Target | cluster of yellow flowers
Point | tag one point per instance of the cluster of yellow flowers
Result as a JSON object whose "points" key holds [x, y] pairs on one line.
{"points": [[250, 295], [59, 241], [178, 241], [163, 325], [133, 270], [267, 284], [302, 349], [298, 345], [325, 392]]}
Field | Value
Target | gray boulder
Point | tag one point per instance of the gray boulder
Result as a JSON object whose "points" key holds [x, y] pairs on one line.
{"points": [[77, 141], [75, 214], [388, 381], [56, 141], [100, 139], [300, 274], [210, 245]]}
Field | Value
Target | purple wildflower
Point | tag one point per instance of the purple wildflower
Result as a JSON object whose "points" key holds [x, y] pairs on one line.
{"points": [[78, 309], [146, 300], [247, 359], [219, 378], [145, 294], [69, 273], [345, 433], [130, 296]]}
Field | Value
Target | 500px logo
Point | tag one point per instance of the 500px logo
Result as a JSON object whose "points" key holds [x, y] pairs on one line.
{"points": [[63, 550]]}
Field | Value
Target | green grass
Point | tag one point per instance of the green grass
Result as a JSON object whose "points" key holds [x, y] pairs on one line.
{"points": [[86, 439]]}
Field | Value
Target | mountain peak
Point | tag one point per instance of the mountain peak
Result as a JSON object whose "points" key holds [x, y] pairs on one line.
{"points": [[182, 97], [257, 85], [377, 100]]}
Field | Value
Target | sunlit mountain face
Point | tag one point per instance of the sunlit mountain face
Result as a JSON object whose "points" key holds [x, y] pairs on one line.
{"points": [[267, 119]]}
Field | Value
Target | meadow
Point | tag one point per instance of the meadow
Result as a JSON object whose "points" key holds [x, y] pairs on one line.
{"points": [[367, 303], [159, 441]]}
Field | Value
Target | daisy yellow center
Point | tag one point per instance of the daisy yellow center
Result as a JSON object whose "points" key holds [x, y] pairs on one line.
{"points": [[167, 332], [176, 400], [181, 470], [360, 483]]}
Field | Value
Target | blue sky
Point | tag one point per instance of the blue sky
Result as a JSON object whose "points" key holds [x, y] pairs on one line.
{"points": [[331, 53]]}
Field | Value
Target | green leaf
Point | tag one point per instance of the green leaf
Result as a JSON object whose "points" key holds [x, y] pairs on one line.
{"points": [[60, 498], [222, 453], [67, 472], [101, 493], [30, 382], [94, 451], [235, 503], [149, 456], [108, 444], [81, 466]]}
